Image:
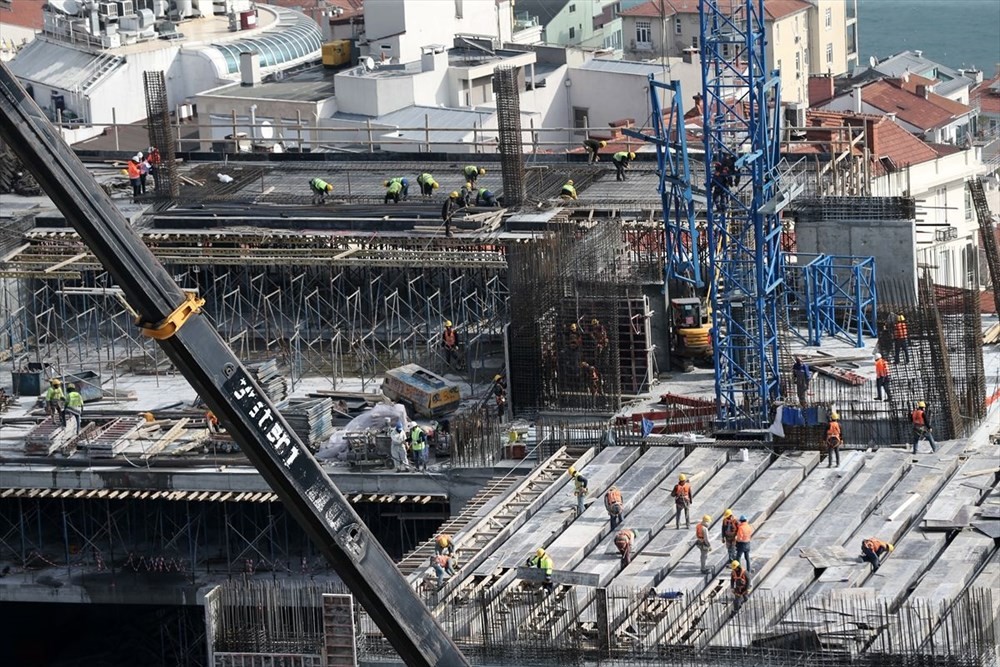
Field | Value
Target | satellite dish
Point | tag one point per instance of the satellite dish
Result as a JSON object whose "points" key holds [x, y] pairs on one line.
{"points": [[266, 131], [369, 64], [69, 7], [872, 61]]}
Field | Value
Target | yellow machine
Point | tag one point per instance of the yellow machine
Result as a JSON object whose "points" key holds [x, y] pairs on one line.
{"points": [[337, 53], [428, 394], [692, 326]]}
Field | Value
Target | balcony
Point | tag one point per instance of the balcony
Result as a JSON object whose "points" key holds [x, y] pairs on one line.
{"points": [[852, 10]]}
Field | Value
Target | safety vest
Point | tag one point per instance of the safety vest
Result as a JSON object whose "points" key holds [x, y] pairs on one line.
{"points": [[133, 169], [624, 538], [701, 533], [613, 496], [900, 331], [53, 394], [442, 560], [153, 158], [74, 400], [580, 484], [620, 156], [425, 178], [739, 580], [682, 492], [542, 563], [874, 545], [881, 368], [833, 431], [918, 418], [318, 184], [417, 441], [729, 526], [449, 337], [471, 171], [569, 190], [395, 186], [743, 531]]}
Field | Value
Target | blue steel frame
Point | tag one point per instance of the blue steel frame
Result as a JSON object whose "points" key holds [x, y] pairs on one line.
{"points": [[682, 261], [838, 295], [742, 125]]}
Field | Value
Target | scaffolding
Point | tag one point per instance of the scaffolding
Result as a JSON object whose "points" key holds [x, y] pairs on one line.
{"points": [[829, 295]]}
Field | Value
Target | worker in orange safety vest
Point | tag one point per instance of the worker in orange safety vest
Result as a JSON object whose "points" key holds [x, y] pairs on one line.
{"points": [[882, 378], [744, 531], [703, 542], [833, 440], [900, 340], [682, 500]]}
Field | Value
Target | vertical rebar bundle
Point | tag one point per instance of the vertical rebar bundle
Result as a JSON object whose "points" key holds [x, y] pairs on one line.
{"points": [[158, 119], [509, 131]]}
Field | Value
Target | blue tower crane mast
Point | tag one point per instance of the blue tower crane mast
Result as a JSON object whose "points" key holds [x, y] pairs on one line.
{"points": [[742, 125]]}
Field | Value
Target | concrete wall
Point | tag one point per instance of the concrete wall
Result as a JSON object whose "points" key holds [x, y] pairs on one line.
{"points": [[610, 96], [891, 242]]}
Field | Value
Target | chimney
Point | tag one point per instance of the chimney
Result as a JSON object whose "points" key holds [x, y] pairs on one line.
{"points": [[923, 90], [249, 68], [891, 116], [691, 56], [857, 98]]}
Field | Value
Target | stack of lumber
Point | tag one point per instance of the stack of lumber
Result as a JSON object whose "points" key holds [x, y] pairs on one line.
{"points": [[311, 418], [270, 379]]}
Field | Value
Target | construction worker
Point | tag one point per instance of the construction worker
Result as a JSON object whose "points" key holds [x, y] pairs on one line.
{"points": [[739, 581], [134, 172], [74, 407], [579, 488], [833, 440], [485, 198], [574, 343], [568, 190], [900, 340], [881, 378], [621, 160], [729, 526], [449, 341], [922, 427], [599, 334], [543, 562], [54, 400], [451, 205], [722, 180], [154, 160], [394, 190], [444, 545], [802, 375], [500, 396], [443, 564], [320, 189], [472, 173], [418, 445], [615, 506], [591, 377], [397, 448], [213, 422], [467, 194], [872, 551], [682, 500], [744, 531], [427, 184], [623, 542], [703, 541], [593, 147]]}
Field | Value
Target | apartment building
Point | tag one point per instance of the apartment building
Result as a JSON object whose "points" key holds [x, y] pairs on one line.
{"points": [[586, 23]]}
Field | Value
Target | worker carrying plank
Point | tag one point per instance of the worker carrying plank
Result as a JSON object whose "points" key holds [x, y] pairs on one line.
{"points": [[873, 550]]}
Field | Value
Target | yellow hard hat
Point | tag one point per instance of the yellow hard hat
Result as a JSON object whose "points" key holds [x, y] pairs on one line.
{"points": [[834, 416], [482, 172], [707, 518], [385, 184], [921, 404], [468, 186], [727, 513], [435, 185], [682, 477], [603, 144], [55, 381], [443, 539], [572, 327], [595, 321], [901, 319], [569, 182], [631, 156], [329, 188], [571, 471], [735, 564], [454, 194], [539, 552], [496, 377], [447, 323], [892, 547], [124, 172]]}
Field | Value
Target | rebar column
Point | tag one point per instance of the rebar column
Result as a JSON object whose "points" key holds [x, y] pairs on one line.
{"points": [[160, 136], [509, 130]]}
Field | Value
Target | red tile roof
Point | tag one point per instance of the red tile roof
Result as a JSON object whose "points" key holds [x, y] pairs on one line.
{"points": [[889, 96], [23, 13], [987, 100], [913, 83], [775, 9]]}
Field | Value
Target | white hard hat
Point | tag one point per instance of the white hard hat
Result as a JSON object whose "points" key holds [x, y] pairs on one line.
{"points": [[878, 356]]}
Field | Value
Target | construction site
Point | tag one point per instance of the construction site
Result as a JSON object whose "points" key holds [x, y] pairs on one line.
{"points": [[639, 331]]}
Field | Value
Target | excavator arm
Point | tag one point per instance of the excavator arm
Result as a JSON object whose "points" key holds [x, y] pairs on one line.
{"points": [[172, 317]]}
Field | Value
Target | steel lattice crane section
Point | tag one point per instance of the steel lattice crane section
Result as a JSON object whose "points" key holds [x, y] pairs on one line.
{"points": [[741, 115]]}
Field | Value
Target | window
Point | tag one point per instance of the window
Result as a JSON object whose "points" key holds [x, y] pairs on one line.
{"points": [[572, 8], [779, 67], [777, 31], [572, 32], [677, 25], [458, 9], [798, 62], [643, 33], [828, 18], [694, 42], [580, 119], [968, 204], [829, 53]]}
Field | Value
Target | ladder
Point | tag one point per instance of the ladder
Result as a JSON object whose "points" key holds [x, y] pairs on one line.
{"points": [[988, 235]]}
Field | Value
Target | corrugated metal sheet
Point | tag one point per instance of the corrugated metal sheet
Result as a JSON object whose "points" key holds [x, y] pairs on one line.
{"points": [[59, 65]]}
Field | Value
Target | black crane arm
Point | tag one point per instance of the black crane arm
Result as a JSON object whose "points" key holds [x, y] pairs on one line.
{"points": [[200, 353]]}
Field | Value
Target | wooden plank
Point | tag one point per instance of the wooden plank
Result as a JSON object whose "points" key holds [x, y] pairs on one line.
{"points": [[166, 439], [65, 262]]}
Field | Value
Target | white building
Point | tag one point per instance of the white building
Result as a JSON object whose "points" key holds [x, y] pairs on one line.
{"points": [[584, 23]]}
